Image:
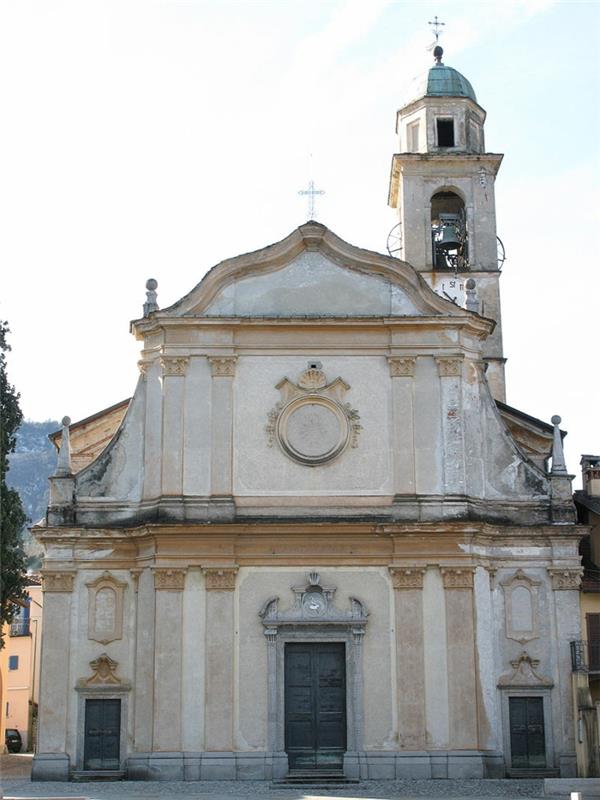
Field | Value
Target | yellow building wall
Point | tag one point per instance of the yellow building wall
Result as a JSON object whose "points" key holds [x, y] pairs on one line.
{"points": [[590, 604], [21, 685]]}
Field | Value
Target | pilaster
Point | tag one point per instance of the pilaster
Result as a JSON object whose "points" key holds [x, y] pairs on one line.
{"points": [[143, 688], [460, 634], [410, 666], [220, 597], [402, 371], [450, 372], [168, 585], [223, 372], [51, 761], [173, 377]]}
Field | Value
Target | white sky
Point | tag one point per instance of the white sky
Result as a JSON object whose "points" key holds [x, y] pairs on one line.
{"points": [[154, 139]]}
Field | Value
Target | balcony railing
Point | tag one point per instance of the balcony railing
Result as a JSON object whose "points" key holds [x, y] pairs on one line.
{"points": [[585, 656], [20, 628]]}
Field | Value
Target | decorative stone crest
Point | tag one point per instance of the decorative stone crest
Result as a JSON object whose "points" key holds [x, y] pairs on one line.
{"points": [[402, 367], [104, 669], [313, 605], [105, 608], [311, 423], [458, 577], [220, 578], [57, 581], [222, 366], [449, 366], [174, 366], [407, 577], [565, 577], [524, 674], [521, 607], [165, 578]]}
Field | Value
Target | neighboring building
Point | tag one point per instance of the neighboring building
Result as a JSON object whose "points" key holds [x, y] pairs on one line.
{"points": [[586, 651], [20, 667], [319, 539]]}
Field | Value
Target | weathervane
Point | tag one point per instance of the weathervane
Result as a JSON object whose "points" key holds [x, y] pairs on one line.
{"points": [[436, 26], [311, 193]]}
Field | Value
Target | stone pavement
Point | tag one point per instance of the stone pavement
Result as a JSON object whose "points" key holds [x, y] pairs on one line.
{"points": [[15, 770]]}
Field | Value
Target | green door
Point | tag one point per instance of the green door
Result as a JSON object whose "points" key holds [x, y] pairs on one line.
{"points": [[527, 739], [102, 734], [315, 705]]}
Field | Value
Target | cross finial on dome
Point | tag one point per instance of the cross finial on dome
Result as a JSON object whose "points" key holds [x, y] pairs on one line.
{"points": [[436, 25]]}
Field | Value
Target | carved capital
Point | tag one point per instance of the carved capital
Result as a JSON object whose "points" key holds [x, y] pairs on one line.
{"points": [[458, 577], [57, 581], [143, 366], [165, 578], [222, 366], [407, 577], [402, 367], [135, 573], [565, 578], [449, 366], [174, 366], [220, 578]]}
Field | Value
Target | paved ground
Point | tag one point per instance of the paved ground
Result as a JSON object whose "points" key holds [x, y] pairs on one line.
{"points": [[15, 770]]}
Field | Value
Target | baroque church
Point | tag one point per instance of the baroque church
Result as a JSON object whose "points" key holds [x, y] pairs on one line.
{"points": [[318, 541]]}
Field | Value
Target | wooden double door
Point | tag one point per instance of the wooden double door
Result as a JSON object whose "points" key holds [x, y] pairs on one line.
{"points": [[102, 743], [527, 734], [315, 705]]}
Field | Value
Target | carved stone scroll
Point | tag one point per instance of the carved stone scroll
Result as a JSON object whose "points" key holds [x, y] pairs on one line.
{"points": [[57, 581], [458, 577], [407, 577], [104, 669], [222, 366], [403, 367], [220, 578], [173, 579], [524, 674]]}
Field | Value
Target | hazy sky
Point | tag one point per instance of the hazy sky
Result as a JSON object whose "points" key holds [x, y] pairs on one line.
{"points": [[153, 139]]}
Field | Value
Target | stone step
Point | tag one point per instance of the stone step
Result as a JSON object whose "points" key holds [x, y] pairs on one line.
{"points": [[98, 775]]}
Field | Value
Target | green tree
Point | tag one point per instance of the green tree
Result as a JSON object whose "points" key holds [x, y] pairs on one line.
{"points": [[12, 516]]}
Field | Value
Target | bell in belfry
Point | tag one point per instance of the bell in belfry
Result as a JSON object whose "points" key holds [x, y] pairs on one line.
{"points": [[450, 238]]}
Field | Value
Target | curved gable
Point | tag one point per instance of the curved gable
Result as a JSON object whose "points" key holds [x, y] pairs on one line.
{"points": [[312, 272]]}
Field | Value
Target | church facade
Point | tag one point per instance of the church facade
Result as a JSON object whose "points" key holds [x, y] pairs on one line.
{"points": [[319, 539]]}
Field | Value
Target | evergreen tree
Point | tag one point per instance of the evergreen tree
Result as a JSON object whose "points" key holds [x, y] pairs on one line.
{"points": [[12, 517]]}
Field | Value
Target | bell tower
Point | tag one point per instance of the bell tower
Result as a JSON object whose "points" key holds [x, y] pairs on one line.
{"points": [[442, 185]]}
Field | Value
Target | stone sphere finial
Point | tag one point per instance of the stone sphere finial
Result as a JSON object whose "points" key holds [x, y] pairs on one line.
{"points": [[66, 421], [556, 420], [438, 52], [152, 284], [470, 284]]}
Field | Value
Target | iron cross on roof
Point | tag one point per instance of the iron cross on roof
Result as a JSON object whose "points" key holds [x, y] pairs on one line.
{"points": [[311, 193], [436, 26]]}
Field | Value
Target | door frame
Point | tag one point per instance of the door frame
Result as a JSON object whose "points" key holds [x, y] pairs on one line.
{"points": [[99, 692], [528, 691], [311, 645], [354, 679]]}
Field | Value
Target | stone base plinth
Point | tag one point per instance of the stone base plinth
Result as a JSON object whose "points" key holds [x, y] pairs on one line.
{"points": [[51, 767]]}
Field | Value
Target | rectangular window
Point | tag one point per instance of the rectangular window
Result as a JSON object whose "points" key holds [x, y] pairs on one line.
{"points": [[13, 662], [412, 132], [593, 634], [445, 132]]}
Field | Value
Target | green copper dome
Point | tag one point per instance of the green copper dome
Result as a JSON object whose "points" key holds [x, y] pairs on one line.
{"points": [[441, 81]]}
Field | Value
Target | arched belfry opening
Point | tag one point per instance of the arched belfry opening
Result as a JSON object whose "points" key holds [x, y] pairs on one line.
{"points": [[449, 239]]}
